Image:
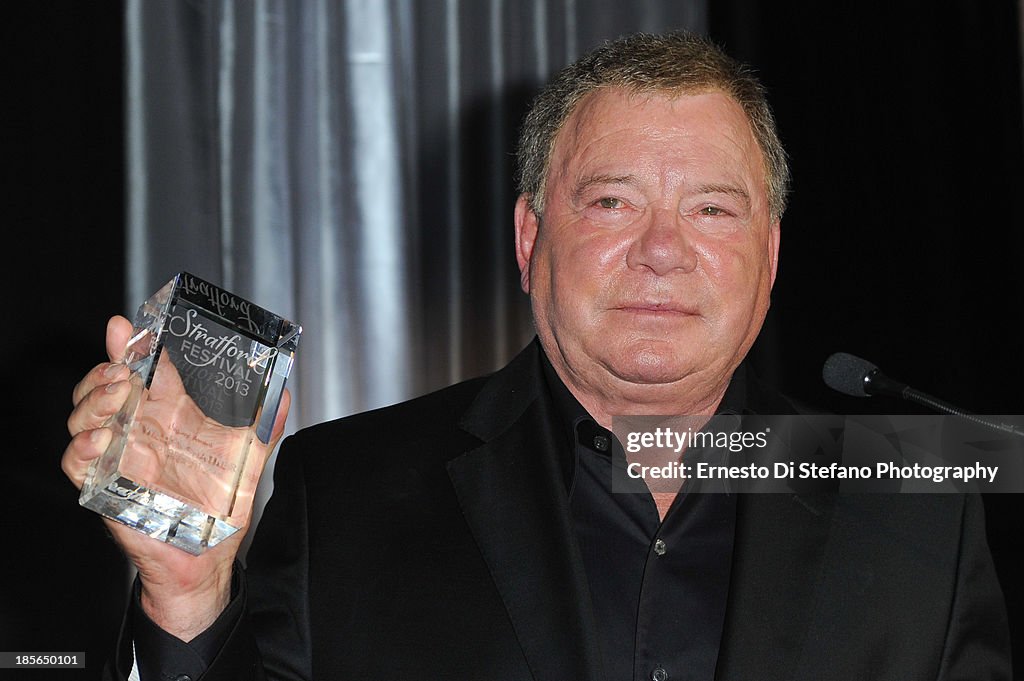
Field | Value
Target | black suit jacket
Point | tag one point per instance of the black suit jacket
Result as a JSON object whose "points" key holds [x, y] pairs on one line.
{"points": [[432, 540]]}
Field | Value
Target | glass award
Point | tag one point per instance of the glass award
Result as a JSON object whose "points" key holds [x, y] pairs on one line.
{"points": [[208, 370]]}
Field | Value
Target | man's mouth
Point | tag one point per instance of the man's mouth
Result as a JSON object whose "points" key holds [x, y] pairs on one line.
{"points": [[657, 308]]}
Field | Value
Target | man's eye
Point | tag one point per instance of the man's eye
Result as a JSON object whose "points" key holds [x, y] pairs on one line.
{"points": [[711, 210], [610, 202]]}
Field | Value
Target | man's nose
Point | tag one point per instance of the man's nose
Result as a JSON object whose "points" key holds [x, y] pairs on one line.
{"points": [[663, 244]]}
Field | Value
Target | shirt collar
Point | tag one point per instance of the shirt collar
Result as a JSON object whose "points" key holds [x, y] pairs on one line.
{"points": [[578, 427], [569, 413]]}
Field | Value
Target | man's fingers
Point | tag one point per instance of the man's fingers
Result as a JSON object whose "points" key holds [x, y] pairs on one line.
{"points": [[83, 449], [119, 332], [101, 375], [98, 405]]}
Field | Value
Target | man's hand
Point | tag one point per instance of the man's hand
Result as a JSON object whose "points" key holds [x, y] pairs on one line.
{"points": [[181, 593]]}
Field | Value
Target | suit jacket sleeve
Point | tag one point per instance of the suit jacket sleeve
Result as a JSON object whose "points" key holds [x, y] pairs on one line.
{"points": [[278, 574]]}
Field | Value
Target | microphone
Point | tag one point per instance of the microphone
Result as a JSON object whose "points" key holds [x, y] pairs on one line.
{"points": [[858, 377]]}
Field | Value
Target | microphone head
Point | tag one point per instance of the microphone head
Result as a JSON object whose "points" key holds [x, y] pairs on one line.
{"points": [[847, 374]]}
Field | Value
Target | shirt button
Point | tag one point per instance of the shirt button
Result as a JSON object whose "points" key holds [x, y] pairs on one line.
{"points": [[659, 548], [602, 443], [659, 674]]}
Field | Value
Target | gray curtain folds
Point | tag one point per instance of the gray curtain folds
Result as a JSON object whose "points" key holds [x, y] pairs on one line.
{"points": [[348, 164]]}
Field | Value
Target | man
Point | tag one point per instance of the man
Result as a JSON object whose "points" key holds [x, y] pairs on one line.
{"points": [[473, 533]]}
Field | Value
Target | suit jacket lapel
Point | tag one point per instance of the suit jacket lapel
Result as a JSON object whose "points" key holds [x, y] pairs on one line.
{"points": [[514, 499], [780, 545], [776, 570]]}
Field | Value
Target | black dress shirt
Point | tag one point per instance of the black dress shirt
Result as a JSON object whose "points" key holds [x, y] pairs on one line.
{"points": [[163, 657], [659, 589]]}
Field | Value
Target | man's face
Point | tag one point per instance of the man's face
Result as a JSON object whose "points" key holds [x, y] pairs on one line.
{"points": [[650, 270]]}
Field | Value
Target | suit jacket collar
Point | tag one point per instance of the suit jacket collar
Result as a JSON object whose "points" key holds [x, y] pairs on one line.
{"points": [[506, 395]]}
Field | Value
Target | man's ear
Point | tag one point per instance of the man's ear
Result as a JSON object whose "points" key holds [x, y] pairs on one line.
{"points": [[527, 224]]}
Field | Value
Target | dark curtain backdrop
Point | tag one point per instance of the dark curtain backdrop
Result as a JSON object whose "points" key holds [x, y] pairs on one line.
{"points": [[903, 242]]}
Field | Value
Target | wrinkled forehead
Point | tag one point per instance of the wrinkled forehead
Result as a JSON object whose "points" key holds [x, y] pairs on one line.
{"points": [[662, 114], [592, 106]]}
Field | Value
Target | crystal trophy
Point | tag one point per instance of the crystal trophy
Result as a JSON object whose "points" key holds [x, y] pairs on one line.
{"points": [[207, 373]]}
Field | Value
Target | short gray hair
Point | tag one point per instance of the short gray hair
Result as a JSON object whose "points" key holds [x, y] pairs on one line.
{"points": [[673, 63]]}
